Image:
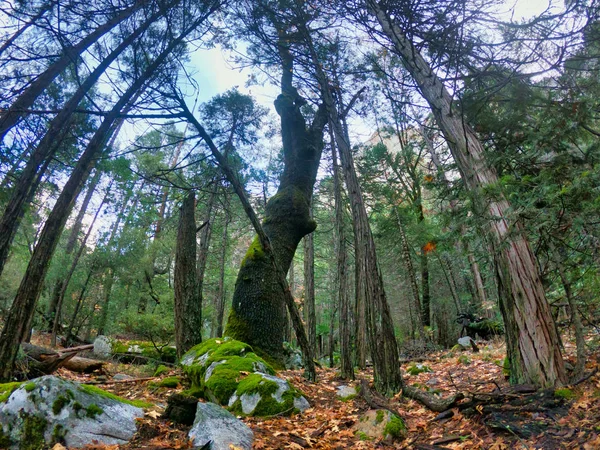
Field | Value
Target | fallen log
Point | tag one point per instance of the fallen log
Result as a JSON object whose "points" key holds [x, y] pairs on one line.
{"points": [[83, 365], [41, 361]]}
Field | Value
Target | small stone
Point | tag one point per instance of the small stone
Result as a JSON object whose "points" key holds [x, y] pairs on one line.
{"points": [[465, 341], [121, 376], [344, 391], [380, 424], [432, 382], [218, 426], [301, 404]]}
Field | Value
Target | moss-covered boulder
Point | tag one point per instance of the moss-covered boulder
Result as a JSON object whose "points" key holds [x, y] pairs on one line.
{"points": [[49, 410], [380, 424], [228, 372]]}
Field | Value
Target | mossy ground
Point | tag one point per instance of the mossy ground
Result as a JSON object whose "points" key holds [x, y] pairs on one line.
{"points": [[169, 382], [97, 391]]}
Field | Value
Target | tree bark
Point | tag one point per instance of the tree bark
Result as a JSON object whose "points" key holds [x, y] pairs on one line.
{"points": [[309, 290], [347, 367], [414, 307], [188, 310], [220, 304], [263, 243], [532, 341], [58, 293], [78, 304], [257, 315], [67, 280]]}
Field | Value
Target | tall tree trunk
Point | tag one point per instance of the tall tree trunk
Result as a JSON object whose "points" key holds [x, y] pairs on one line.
{"points": [[575, 316], [188, 310], [60, 283], [220, 304], [262, 249], [257, 316], [25, 186], [309, 290], [347, 368], [79, 303], [205, 235], [414, 307], [19, 107], [67, 280], [380, 329], [533, 348], [23, 308]]}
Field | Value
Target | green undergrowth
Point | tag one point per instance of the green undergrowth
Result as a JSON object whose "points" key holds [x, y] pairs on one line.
{"points": [[93, 390], [169, 382]]}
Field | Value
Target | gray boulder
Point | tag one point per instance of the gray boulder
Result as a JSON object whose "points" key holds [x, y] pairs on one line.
{"points": [[102, 347], [219, 426], [346, 392], [51, 410]]}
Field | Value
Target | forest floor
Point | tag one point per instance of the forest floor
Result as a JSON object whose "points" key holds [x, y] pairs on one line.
{"points": [[328, 423]]}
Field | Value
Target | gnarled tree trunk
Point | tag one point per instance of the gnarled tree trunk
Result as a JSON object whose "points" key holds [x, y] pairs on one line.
{"points": [[532, 341]]}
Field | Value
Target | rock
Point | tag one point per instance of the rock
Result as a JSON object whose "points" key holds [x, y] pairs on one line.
{"points": [[215, 424], [346, 392], [181, 408], [432, 382], [380, 424], [228, 373], [102, 347], [51, 410], [464, 341], [261, 394], [121, 376]]}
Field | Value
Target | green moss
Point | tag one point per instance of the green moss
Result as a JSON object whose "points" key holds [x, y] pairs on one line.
{"points": [[464, 359], [120, 347], [93, 390], [255, 252], [32, 435], [8, 388], [58, 435], [379, 417], [565, 393], [223, 383], [256, 383], [416, 369], [161, 370], [194, 392], [348, 398], [362, 436], [58, 405], [169, 382], [77, 407], [93, 410], [395, 427], [5, 440], [30, 386]]}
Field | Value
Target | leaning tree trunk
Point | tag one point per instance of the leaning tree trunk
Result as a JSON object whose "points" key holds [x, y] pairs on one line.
{"points": [[23, 308], [380, 329], [257, 315], [347, 368], [19, 107], [25, 186], [414, 307], [533, 348], [74, 263], [309, 291], [60, 283], [188, 310], [44, 8]]}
